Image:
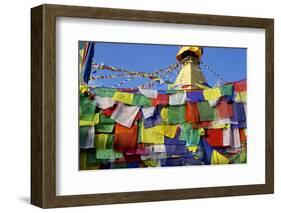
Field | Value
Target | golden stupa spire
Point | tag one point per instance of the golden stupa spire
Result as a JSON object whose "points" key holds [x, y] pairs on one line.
{"points": [[190, 75]]}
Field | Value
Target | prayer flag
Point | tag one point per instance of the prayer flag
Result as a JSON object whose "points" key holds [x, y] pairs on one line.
{"points": [[125, 115], [125, 138], [177, 99], [192, 113], [103, 102], [206, 112], [123, 97], [212, 94], [195, 96], [214, 137], [218, 158]]}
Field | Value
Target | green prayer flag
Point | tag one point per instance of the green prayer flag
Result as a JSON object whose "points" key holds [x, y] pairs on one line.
{"points": [[107, 128], [87, 109], [105, 92], [83, 160], [206, 112], [101, 140], [119, 165], [226, 90], [105, 120], [83, 135], [190, 135], [176, 114], [239, 158], [108, 154], [91, 157], [141, 100]]}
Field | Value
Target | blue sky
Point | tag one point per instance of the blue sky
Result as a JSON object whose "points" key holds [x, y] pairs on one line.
{"points": [[229, 62]]}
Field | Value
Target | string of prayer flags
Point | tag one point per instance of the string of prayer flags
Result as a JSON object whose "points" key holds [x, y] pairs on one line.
{"points": [[132, 128]]}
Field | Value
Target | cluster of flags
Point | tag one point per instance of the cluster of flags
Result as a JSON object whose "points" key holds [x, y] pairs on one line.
{"points": [[135, 128]]}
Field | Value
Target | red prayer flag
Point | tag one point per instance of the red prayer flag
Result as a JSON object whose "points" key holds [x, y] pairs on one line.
{"points": [[240, 86], [224, 110], [214, 137], [108, 112], [162, 99], [243, 137], [125, 139], [191, 112]]}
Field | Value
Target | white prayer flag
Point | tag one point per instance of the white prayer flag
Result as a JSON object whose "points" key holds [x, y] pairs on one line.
{"points": [[148, 111], [125, 115], [103, 102], [177, 99], [149, 93]]}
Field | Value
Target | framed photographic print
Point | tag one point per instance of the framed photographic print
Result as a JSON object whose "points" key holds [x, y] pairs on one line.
{"points": [[136, 106]]}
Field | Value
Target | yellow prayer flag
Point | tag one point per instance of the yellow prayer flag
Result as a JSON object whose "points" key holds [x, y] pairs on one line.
{"points": [[123, 97], [95, 121], [212, 94], [152, 135], [192, 148], [218, 158], [241, 97], [164, 114], [168, 130], [100, 141], [156, 134]]}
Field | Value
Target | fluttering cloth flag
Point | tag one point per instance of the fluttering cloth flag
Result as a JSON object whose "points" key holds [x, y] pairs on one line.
{"points": [[125, 115], [123, 97], [125, 138], [104, 102], [206, 112], [177, 99]]}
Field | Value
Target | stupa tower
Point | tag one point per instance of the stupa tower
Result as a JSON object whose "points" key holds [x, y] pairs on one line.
{"points": [[190, 75]]}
